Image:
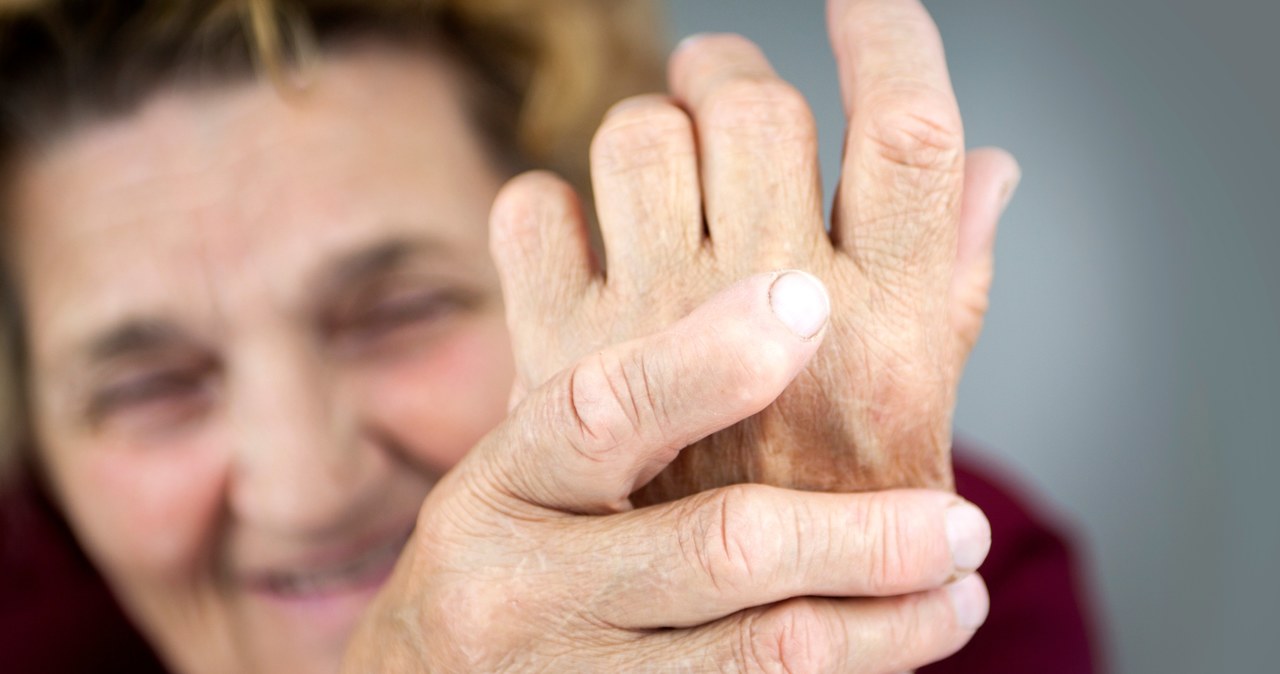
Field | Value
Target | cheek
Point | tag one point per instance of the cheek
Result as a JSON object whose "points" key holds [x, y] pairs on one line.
{"points": [[438, 402], [146, 512]]}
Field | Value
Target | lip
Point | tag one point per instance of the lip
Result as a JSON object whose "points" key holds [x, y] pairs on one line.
{"points": [[352, 569]]}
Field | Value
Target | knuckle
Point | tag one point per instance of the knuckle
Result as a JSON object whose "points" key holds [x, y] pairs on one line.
{"points": [[762, 107], [642, 132], [611, 398], [795, 637], [916, 127], [709, 54], [890, 564], [727, 45], [525, 203], [726, 542]]}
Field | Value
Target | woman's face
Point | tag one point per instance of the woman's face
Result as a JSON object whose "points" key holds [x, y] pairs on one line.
{"points": [[259, 330]]}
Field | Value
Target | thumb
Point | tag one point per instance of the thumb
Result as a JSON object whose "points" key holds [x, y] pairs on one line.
{"points": [[593, 434], [991, 176]]}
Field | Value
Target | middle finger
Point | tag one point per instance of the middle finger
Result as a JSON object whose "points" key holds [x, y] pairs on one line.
{"points": [[899, 192], [758, 151]]}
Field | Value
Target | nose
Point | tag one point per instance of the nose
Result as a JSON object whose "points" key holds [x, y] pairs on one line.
{"points": [[301, 468]]}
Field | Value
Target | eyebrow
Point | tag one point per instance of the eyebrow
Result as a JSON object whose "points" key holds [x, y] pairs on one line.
{"points": [[145, 334], [375, 258], [135, 336]]}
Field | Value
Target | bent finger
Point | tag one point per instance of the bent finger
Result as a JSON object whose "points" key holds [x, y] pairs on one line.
{"points": [[591, 435]]}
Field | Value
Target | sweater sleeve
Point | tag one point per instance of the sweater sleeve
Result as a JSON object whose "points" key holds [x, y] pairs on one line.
{"points": [[56, 613]]}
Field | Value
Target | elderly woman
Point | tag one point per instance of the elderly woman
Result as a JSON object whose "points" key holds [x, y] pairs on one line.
{"points": [[299, 419]]}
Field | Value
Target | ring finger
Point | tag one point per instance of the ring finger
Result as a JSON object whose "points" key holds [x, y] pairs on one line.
{"points": [[879, 636]]}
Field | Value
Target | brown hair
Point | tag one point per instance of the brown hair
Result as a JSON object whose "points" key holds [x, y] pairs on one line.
{"points": [[540, 74]]}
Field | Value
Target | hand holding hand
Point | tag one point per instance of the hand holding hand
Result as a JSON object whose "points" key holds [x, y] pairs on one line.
{"points": [[529, 557]]}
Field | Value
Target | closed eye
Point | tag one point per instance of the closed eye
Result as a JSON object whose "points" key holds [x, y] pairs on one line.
{"points": [[415, 315], [162, 396]]}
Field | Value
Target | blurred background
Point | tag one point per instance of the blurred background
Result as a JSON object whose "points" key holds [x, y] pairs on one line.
{"points": [[1130, 369]]}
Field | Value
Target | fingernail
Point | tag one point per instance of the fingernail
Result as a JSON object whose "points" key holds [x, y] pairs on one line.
{"points": [[800, 301], [688, 42], [969, 535], [970, 601], [1007, 191]]}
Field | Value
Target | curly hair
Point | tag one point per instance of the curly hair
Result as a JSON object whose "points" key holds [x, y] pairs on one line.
{"points": [[539, 75]]}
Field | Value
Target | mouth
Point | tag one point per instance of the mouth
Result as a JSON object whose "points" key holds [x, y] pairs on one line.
{"points": [[360, 572]]}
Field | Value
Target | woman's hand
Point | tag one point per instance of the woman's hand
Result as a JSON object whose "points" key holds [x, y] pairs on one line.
{"points": [[529, 557], [719, 181]]}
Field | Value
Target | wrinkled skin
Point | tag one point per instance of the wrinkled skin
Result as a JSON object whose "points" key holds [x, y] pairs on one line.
{"points": [[533, 555], [687, 213], [285, 424], [260, 331], [516, 566]]}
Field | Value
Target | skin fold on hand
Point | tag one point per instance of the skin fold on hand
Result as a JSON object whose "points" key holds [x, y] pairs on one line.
{"points": [[526, 556], [719, 180], [694, 348]]}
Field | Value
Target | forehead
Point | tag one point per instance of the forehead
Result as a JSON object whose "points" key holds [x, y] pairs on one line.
{"points": [[241, 192]]}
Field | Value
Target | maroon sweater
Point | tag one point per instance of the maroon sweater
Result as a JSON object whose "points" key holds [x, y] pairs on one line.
{"points": [[56, 614]]}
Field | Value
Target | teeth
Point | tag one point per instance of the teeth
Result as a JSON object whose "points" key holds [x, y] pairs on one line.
{"points": [[337, 578]]}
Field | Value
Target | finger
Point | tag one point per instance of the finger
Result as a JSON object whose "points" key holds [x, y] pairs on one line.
{"points": [[719, 552], [758, 150], [644, 173], [991, 175], [904, 157], [539, 241], [594, 433], [832, 635]]}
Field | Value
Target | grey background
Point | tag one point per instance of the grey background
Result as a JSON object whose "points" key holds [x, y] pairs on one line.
{"points": [[1129, 371]]}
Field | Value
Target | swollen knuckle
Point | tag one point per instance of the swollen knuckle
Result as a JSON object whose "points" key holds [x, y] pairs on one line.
{"points": [[727, 544], [792, 638], [526, 203], [642, 133], [611, 398], [916, 127], [767, 107]]}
